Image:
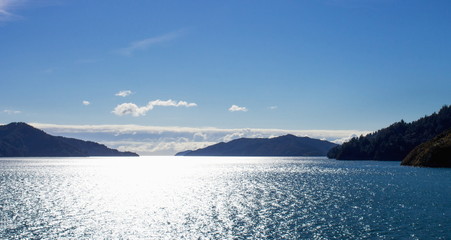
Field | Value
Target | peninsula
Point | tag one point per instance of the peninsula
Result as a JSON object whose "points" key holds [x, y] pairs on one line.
{"points": [[22, 140], [396, 141], [433, 153]]}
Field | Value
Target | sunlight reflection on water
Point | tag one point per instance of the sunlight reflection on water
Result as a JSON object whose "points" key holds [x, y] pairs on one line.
{"points": [[220, 198]]}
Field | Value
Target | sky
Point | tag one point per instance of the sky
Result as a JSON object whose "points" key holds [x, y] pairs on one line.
{"points": [[162, 76]]}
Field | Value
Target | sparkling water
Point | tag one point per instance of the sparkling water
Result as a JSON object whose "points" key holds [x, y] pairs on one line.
{"points": [[221, 198]]}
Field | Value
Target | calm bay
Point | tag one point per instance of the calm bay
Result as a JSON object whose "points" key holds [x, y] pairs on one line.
{"points": [[221, 198]]}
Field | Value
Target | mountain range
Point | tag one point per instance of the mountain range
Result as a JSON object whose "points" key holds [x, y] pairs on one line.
{"points": [[22, 140], [288, 145]]}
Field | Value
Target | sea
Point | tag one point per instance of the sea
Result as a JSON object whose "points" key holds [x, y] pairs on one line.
{"points": [[221, 198]]}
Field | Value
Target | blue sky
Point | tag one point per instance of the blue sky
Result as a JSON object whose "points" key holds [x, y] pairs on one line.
{"points": [[296, 65]]}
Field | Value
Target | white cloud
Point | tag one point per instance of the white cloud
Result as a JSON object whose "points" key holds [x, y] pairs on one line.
{"points": [[235, 135], [86, 103], [199, 136], [144, 44], [130, 109], [272, 107], [235, 108], [157, 140], [9, 111], [171, 103], [157, 147], [123, 93], [135, 111]]}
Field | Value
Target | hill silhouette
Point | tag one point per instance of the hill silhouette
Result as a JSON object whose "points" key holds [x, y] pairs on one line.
{"points": [[23, 140], [288, 145], [396, 141], [433, 153]]}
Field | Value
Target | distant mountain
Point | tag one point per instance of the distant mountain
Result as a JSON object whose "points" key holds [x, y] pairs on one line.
{"points": [[288, 145], [23, 140], [433, 153], [396, 141], [184, 153]]}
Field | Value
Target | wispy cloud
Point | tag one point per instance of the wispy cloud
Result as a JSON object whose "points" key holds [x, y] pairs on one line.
{"points": [[9, 7], [6, 6], [144, 44], [134, 110], [157, 140], [86, 103], [272, 107], [9, 111], [235, 108], [124, 93]]}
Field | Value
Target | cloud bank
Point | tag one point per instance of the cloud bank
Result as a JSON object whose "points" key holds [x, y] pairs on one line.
{"points": [[133, 109], [157, 140]]}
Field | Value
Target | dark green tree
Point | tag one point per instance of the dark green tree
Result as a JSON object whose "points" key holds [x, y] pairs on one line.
{"points": [[396, 141]]}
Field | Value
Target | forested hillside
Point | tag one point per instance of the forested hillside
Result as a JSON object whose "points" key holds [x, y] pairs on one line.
{"points": [[396, 141]]}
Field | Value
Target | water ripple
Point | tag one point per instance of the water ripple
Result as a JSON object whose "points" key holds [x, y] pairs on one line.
{"points": [[221, 198]]}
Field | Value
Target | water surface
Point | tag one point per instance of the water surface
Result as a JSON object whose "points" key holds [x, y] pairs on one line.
{"points": [[221, 198]]}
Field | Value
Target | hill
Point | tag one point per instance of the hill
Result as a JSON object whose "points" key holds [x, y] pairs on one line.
{"points": [[396, 141], [288, 145], [433, 153], [23, 140]]}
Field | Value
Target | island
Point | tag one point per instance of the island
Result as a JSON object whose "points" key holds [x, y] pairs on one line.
{"points": [[22, 140], [433, 153], [288, 145]]}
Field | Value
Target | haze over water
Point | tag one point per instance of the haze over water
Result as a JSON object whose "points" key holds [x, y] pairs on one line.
{"points": [[221, 198]]}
